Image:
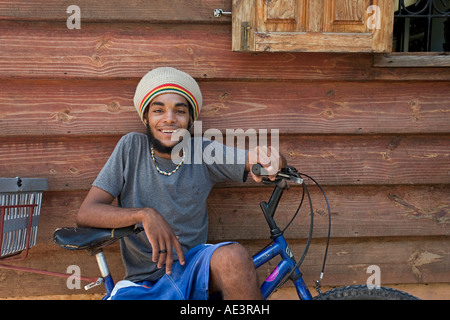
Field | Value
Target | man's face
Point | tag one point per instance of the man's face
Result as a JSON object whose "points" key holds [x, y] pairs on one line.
{"points": [[166, 114]]}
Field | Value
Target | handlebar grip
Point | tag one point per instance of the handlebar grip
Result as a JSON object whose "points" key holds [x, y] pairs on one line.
{"points": [[259, 170]]}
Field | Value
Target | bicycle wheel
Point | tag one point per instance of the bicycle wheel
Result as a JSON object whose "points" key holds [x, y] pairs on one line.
{"points": [[362, 292]]}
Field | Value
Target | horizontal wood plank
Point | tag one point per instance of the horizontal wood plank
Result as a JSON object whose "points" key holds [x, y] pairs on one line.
{"points": [[412, 59], [434, 291], [49, 257], [68, 164], [234, 213], [401, 260], [130, 50], [36, 107], [72, 163], [313, 42], [117, 11], [355, 212], [105, 51]]}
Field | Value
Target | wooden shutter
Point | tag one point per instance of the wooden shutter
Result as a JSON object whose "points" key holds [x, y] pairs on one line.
{"points": [[313, 25]]}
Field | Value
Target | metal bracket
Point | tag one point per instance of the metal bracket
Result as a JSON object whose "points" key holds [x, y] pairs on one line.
{"points": [[93, 284], [318, 289], [219, 13], [245, 36]]}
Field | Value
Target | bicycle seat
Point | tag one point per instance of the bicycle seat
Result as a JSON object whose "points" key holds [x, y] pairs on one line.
{"points": [[79, 238]]}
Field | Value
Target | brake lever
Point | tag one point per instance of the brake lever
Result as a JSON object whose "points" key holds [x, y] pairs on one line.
{"points": [[288, 173], [291, 174]]}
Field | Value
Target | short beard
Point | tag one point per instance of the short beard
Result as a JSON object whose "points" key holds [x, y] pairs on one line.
{"points": [[156, 144]]}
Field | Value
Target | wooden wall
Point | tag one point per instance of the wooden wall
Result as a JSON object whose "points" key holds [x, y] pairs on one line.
{"points": [[377, 139]]}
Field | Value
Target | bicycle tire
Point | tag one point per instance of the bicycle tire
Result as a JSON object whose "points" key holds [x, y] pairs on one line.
{"points": [[362, 292]]}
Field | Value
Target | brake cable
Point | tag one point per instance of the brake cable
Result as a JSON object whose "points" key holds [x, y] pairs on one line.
{"points": [[296, 212], [308, 242], [329, 223], [305, 189]]}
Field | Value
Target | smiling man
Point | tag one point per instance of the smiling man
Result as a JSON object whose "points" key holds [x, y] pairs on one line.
{"points": [[166, 195]]}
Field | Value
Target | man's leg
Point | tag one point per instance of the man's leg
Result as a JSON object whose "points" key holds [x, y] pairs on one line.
{"points": [[233, 273]]}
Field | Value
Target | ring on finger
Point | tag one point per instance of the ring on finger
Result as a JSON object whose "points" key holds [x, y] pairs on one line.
{"points": [[163, 251]]}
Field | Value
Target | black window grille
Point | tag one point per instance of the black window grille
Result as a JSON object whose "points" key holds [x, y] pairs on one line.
{"points": [[422, 26]]}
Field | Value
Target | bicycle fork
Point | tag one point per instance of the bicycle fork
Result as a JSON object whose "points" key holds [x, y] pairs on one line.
{"points": [[279, 247], [287, 264]]}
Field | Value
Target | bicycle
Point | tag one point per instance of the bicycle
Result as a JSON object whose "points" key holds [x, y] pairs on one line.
{"points": [[94, 240]]}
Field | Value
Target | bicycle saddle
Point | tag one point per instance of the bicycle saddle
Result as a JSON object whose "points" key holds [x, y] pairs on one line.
{"points": [[79, 238]]}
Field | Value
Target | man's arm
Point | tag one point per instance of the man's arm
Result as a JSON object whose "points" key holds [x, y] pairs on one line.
{"points": [[97, 211]]}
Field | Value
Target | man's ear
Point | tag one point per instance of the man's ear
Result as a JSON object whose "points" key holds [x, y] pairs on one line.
{"points": [[145, 119]]}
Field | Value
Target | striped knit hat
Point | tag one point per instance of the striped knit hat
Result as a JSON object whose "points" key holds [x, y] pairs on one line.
{"points": [[165, 80]]}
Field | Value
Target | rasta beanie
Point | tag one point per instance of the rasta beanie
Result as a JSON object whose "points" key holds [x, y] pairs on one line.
{"points": [[167, 80]]}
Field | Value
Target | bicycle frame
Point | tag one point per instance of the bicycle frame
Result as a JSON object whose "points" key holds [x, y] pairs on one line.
{"points": [[279, 247]]}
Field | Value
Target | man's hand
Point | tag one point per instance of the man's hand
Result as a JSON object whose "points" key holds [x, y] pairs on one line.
{"points": [[269, 158], [97, 211], [162, 239]]}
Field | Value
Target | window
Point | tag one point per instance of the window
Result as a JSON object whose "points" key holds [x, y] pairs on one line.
{"points": [[420, 38], [421, 26], [313, 25]]}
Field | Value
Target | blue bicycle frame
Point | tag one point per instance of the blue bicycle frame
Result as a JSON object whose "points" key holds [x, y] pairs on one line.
{"points": [[279, 246]]}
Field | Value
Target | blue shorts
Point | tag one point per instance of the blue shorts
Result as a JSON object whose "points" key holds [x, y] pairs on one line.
{"points": [[188, 282]]}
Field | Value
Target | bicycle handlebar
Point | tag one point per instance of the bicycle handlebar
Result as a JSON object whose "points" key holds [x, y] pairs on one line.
{"points": [[287, 173]]}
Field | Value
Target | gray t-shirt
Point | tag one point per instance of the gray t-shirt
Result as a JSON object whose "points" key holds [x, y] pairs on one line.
{"points": [[131, 176]]}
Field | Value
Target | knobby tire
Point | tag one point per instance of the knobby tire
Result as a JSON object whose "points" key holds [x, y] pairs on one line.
{"points": [[362, 292]]}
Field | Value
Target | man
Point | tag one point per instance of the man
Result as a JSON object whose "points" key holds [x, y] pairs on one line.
{"points": [[166, 194]]}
